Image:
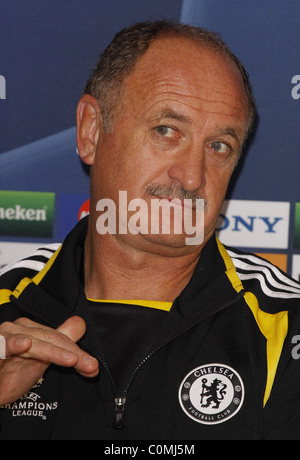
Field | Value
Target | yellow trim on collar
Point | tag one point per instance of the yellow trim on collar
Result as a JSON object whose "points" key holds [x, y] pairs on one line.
{"points": [[230, 268], [4, 296], [166, 306]]}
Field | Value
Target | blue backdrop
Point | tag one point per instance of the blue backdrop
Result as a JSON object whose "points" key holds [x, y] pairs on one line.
{"points": [[47, 48]]}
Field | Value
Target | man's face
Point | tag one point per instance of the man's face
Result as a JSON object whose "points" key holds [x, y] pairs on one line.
{"points": [[179, 129]]}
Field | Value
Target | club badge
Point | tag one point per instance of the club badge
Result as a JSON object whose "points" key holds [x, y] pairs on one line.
{"points": [[212, 394]]}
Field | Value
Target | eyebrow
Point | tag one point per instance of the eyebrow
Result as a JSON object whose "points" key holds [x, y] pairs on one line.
{"points": [[229, 131], [172, 114], [169, 113]]}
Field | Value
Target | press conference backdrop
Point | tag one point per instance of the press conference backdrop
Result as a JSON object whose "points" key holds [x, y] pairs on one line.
{"points": [[47, 48]]}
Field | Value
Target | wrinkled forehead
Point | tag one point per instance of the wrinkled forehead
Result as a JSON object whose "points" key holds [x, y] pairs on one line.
{"points": [[180, 70]]}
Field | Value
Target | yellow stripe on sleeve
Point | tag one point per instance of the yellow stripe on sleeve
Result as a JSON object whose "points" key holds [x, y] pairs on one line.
{"points": [[274, 327]]}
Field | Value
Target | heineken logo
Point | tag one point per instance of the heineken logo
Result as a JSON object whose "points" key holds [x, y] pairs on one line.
{"points": [[19, 213], [27, 214]]}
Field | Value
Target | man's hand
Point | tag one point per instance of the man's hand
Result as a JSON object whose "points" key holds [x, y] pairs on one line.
{"points": [[31, 348]]}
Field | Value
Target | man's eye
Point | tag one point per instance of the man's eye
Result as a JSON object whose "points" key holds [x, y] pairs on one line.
{"points": [[220, 147], [165, 131]]}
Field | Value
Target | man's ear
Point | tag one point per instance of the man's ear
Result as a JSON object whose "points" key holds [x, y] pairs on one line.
{"points": [[89, 125]]}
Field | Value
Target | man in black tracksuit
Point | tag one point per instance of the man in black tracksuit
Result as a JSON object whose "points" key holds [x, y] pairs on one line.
{"points": [[124, 335], [219, 328]]}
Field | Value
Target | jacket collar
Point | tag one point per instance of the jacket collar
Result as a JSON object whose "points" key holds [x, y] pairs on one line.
{"points": [[210, 288]]}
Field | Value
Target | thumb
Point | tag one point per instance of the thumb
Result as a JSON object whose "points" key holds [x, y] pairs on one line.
{"points": [[73, 327]]}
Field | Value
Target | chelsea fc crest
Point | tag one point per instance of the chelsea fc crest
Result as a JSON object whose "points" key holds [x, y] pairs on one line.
{"points": [[212, 394]]}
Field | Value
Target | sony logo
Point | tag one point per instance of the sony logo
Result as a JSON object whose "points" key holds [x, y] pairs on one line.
{"points": [[240, 223], [254, 224]]}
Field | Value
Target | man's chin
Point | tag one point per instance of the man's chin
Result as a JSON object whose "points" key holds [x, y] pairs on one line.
{"points": [[170, 244]]}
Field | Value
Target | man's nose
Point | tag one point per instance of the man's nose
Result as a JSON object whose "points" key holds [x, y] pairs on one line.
{"points": [[189, 170]]}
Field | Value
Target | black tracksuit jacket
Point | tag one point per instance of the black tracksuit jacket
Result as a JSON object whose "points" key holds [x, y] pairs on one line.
{"points": [[223, 364]]}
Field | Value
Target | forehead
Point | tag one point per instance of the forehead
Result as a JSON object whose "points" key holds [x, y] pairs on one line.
{"points": [[177, 70]]}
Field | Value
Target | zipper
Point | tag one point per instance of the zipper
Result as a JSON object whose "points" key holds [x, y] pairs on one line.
{"points": [[119, 412], [120, 401], [119, 406]]}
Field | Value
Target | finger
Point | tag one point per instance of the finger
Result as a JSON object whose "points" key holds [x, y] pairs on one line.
{"points": [[54, 347], [26, 322], [15, 345], [74, 328], [30, 340], [50, 353], [88, 366], [59, 339]]}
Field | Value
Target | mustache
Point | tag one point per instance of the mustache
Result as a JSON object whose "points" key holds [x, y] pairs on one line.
{"points": [[174, 191]]}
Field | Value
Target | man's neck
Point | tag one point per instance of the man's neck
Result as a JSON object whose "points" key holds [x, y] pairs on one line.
{"points": [[117, 271]]}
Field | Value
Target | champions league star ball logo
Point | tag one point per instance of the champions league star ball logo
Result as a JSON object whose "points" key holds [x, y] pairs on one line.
{"points": [[212, 394]]}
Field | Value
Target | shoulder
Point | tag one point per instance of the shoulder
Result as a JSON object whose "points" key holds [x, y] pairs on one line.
{"points": [[11, 275], [261, 275]]}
